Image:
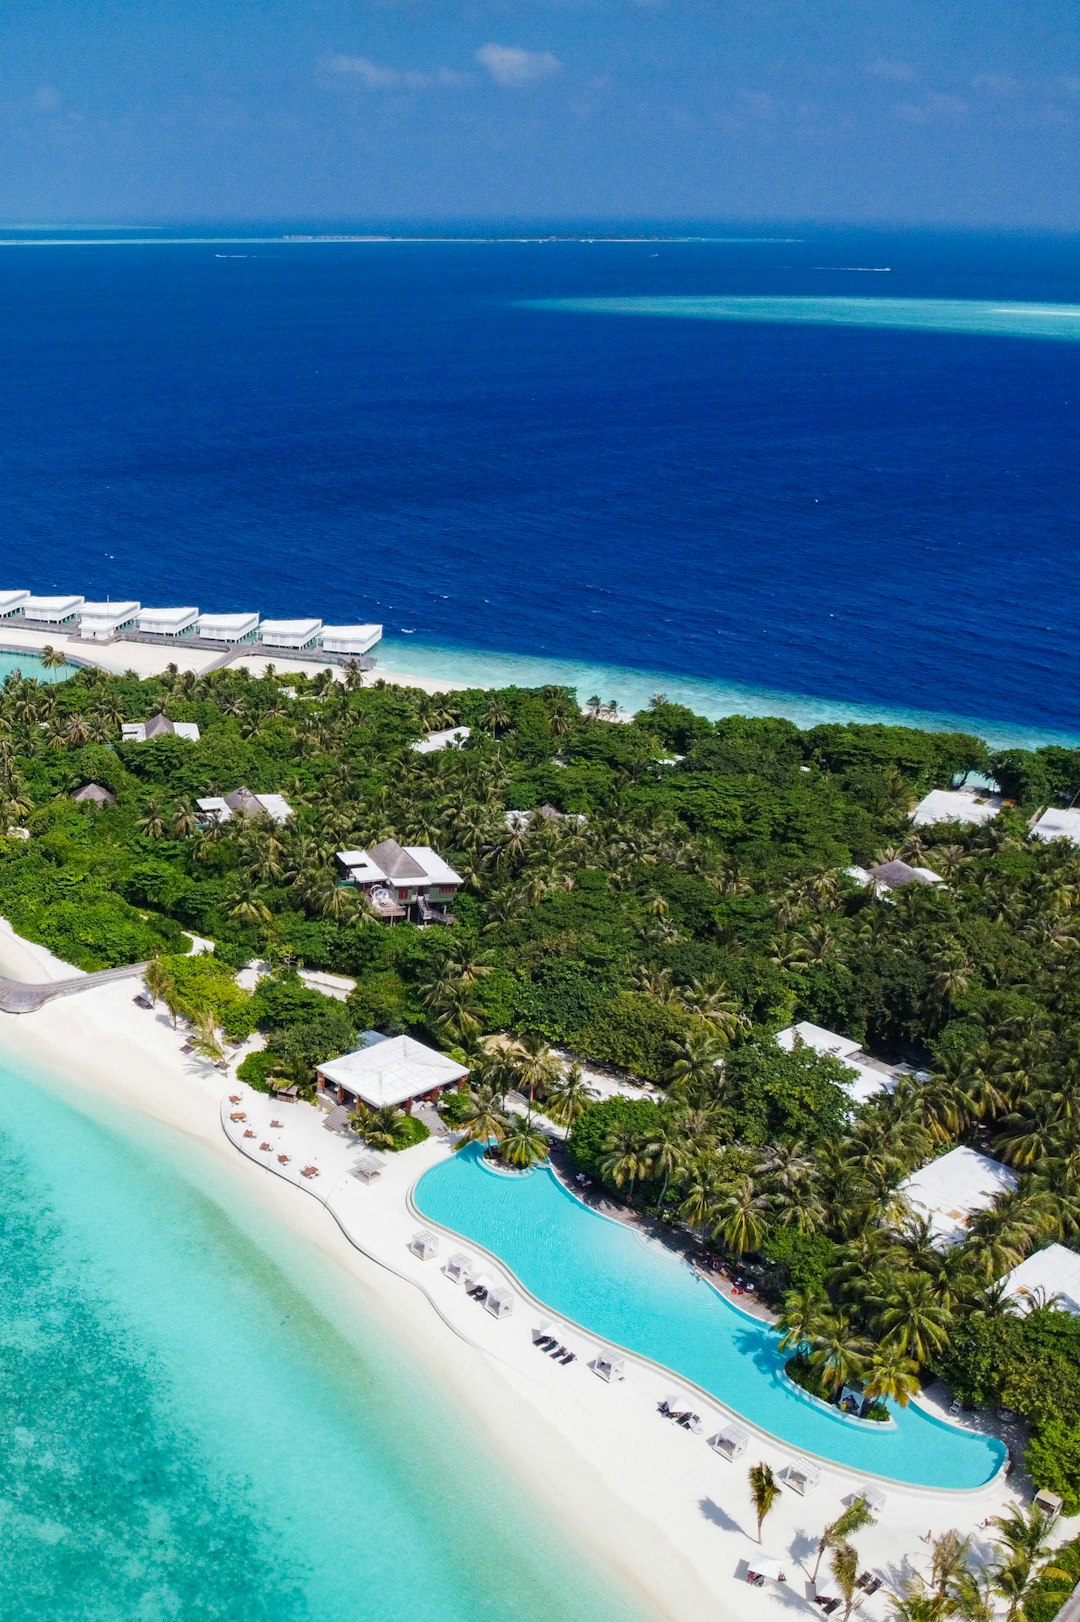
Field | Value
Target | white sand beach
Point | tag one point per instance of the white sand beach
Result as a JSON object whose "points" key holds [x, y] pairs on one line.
{"points": [[649, 1499]]}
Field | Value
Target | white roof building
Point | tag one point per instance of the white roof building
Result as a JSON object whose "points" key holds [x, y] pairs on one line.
{"points": [[159, 726], [867, 1078], [168, 621], [1051, 1272], [950, 1190], [227, 627], [392, 1072], [289, 633], [448, 738], [1058, 824], [404, 867], [350, 639], [242, 802], [956, 805], [100, 622], [51, 610], [11, 602]]}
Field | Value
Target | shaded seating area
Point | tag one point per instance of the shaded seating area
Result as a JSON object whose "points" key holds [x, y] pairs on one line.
{"points": [[549, 1338], [731, 1443], [801, 1475], [368, 1168], [460, 1267], [609, 1367], [424, 1244], [763, 1569], [500, 1301]]}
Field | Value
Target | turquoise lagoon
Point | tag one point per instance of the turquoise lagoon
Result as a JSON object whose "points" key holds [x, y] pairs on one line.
{"points": [[604, 1277], [194, 1426], [31, 666]]}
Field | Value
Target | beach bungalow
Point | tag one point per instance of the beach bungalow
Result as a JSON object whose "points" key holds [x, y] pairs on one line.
{"points": [[295, 634], [93, 794], [229, 629], [869, 1076], [1057, 824], [104, 622], [389, 1072], [967, 805], [11, 603], [1051, 1274], [399, 879], [351, 641], [170, 623], [947, 1192], [159, 726], [51, 612], [242, 803], [448, 738]]}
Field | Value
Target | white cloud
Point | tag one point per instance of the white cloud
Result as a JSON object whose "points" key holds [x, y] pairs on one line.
{"points": [[510, 66], [371, 75]]}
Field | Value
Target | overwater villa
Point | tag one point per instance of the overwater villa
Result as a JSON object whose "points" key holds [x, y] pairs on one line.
{"points": [[290, 634], [11, 603], [967, 805], [159, 726], [170, 623], [242, 803], [402, 880], [50, 612], [869, 1076], [1051, 1274], [949, 1191], [105, 622], [227, 628], [389, 1072]]}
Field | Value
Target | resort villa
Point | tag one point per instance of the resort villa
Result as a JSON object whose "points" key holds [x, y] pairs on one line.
{"points": [[1051, 1274], [869, 1076], [350, 641], [968, 805], [159, 726], [170, 623], [890, 876], [389, 1072], [93, 794], [11, 603], [1058, 824], [242, 803], [950, 1190], [50, 613], [227, 628], [105, 622], [290, 634], [448, 738], [398, 879]]}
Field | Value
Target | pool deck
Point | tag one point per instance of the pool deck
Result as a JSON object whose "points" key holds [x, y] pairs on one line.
{"points": [[701, 1500]]}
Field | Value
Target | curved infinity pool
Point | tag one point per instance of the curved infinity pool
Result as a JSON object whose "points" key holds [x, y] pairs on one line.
{"points": [[604, 1277]]}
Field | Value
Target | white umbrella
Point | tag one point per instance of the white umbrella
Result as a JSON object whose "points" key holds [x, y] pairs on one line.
{"points": [[764, 1566]]}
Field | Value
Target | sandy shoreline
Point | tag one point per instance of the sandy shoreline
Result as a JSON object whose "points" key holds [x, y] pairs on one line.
{"points": [[647, 1501]]}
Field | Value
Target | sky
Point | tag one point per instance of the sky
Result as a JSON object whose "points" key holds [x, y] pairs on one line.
{"points": [[915, 111]]}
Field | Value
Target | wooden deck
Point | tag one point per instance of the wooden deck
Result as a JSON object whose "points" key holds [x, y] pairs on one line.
{"points": [[21, 997]]}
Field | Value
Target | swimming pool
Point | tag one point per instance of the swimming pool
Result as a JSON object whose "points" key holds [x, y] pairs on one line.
{"points": [[604, 1277]]}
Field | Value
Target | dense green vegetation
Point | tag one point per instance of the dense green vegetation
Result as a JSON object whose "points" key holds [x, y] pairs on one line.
{"points": [[667, 923]]}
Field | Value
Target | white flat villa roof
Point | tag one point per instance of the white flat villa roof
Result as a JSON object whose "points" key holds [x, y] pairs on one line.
{"points": [[816, 1037], [227, 627], [1052, 1271], [448, 738], [362, 868], [167, 621], [950, 1190], [391, 1072], [1058, 824], [51, 608], [109, 613], [289, 633], [11, 601], [350, 638], [956, 805]]}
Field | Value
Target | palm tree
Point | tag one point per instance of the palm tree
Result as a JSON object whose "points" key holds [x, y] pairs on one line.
{"points": [[51, 658], [916, 1323], [484, 1118], [524, 1144], [496, 716], [152, 822], [803, 1318], [379, 1128], [741, 1217], [354, 675], [764, 1491], [890, 1376], [248, 908], [568, 1097], [845, 1569], [157, 979], [837, 1353], [854, 1519], [205, 1038], [625, 1160], [695, 1070]]}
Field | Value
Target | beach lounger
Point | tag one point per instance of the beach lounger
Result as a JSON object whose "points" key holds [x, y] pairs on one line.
{"points": [[284, 1159], [569, 1358], [545, 1342], [264, 1148], [249, 1133], [558, 1352], [277, 1123]]}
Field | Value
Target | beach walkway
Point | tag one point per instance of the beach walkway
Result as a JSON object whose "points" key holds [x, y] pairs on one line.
{"points": [[22, 997]]}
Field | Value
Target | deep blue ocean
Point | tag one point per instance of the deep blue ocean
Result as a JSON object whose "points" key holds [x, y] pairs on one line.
{"points": [[868, 515]]}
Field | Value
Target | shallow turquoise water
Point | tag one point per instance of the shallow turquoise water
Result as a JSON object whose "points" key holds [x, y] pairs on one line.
{"points": [[187, 1436], [25, 662], [601, 1275], [632, 689]]}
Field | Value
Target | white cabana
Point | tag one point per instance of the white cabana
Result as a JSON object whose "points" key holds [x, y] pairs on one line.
{"points": [[872, 1497], [101, 622], [351, 640], [11, 602], [808, 1035], [168, 622], [368, 1168], [500, 1301], [948, 1191], [1058, 824], [448, 738], [731, 1442], [955, 805], [289, 633], [764, 1565], [800, 1475], [1048, 1502], [460, 1267], [1050, 1275], [387, 1074], [548, 1330], [424, 1244], [52, 610], [227, 627], [609, 1366]]}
